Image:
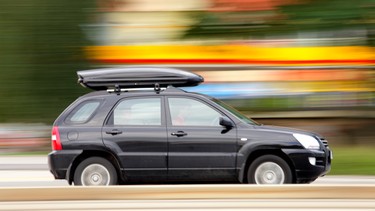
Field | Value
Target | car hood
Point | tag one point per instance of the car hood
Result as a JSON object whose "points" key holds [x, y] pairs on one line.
{"points": [[278, 129]]}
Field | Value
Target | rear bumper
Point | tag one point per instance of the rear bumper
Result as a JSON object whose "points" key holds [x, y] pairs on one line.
{"points": [[59, 162], [304, 171]]}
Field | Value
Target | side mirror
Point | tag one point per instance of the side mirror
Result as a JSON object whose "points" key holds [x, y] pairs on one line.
{"points": [[225, 122]]}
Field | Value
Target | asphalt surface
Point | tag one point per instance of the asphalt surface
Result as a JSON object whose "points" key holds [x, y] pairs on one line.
{"points": [[32, 171], [23, 162]]}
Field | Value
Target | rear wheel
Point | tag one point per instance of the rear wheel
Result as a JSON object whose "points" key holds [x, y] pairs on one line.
{"points": [[95, 171], [269, 169]]}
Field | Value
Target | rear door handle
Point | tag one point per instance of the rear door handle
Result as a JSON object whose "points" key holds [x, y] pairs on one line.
{"points": [[179, 133], [114, 132]]}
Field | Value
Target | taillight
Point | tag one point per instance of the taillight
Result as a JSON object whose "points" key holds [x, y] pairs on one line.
{"points": [[56, 143]]}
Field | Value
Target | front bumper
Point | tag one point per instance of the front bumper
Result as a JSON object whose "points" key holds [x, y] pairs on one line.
{"points": [[59, 162], [305, 171]]}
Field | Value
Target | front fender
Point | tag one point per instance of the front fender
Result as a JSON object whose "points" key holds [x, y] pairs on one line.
{"points": [[254, 149]]}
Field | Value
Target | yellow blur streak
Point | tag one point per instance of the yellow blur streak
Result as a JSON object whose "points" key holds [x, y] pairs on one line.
{"points": [[237, 52]]}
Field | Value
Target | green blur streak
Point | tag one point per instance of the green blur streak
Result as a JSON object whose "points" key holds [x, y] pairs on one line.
{"points": [[41, 49], [353, 161]]}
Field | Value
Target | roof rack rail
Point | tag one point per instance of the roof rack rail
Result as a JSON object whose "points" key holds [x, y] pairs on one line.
{"points": [[118, 90], [137, 77], [169, 88]]}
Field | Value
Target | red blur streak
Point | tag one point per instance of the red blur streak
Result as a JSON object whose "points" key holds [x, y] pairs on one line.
{"points": [[20, 142]]}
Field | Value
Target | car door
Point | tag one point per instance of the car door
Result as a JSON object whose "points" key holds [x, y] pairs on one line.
{"points": [[136, 132], [199, 148]]}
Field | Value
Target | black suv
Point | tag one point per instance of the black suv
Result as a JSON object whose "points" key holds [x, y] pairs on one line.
{"points": [[139, 129]]}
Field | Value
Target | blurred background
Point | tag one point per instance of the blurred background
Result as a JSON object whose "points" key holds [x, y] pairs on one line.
{"points": [[297, 63]]}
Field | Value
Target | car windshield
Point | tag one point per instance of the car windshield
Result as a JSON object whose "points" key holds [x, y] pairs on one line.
{"points": [[235, 112]]}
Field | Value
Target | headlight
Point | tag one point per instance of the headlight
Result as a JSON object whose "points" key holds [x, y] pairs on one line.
{"points": [[308, 142]]}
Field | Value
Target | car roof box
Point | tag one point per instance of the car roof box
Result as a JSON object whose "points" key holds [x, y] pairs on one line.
{"points": [[137, 77]]}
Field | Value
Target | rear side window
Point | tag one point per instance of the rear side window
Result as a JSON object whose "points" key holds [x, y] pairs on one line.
{"points": [[139, 111], [83, 112]]}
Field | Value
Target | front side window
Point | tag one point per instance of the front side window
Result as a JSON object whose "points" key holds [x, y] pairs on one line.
{"points": [[145, 111], [83, 112], [189, 112]]}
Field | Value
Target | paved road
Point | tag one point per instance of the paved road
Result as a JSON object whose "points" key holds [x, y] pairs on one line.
{"points": [[31, 171], [23, 163], [34, 178]]}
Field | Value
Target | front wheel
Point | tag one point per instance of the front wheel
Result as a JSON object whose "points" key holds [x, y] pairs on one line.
{"points": [[95, 171], [269, 169]]}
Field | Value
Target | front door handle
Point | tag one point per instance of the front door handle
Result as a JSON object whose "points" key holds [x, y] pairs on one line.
{"points": [[114, 132], [179, 133]]}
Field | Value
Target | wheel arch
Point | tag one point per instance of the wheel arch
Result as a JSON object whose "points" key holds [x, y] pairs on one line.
{"points": [[93, 153], [260, 152]]}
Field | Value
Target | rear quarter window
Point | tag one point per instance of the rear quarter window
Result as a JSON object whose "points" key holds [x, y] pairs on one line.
{"points": [[83, 112]]}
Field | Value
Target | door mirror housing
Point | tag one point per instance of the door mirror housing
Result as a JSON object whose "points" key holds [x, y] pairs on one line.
{"points": [[226, 122]]}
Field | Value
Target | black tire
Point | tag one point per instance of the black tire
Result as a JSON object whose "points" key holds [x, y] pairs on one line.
{"points": [[95, 171], [269, 169]]}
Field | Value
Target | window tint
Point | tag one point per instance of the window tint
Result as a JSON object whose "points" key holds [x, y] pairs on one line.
{"points": [[83, 112], [138, 112], [189, 112]]}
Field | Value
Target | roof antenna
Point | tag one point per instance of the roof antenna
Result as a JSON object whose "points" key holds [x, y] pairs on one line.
{"points": [[157, 88]]}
